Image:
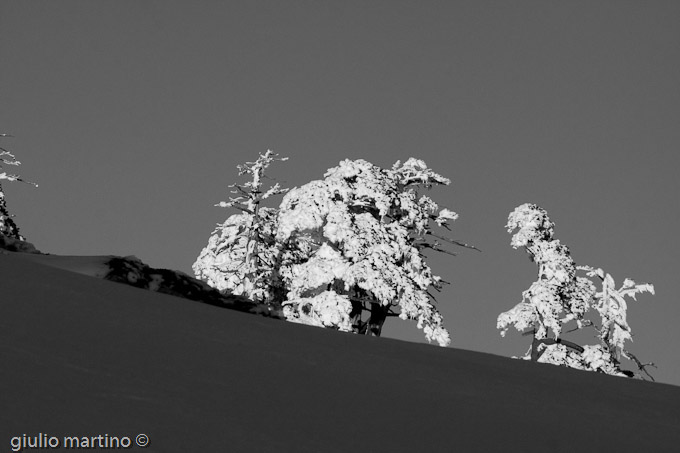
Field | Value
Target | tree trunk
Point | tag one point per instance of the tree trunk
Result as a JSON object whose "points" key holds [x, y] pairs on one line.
{"points": [[377, 319], [536, 354]]}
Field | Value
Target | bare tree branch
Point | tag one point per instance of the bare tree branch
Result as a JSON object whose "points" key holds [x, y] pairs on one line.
{"points": [[453, 241], [641, 366]]}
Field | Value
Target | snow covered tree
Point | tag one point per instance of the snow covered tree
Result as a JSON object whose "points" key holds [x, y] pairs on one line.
{"points": [[345, 252], [241, 252], [8, 228], [614, 330], [352, 248], [559, 296]]}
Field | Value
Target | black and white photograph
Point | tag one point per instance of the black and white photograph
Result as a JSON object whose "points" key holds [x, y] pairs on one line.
{"points": [[338, 226]]}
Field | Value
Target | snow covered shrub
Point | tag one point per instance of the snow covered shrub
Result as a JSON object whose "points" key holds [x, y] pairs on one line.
{"points": [[559, 296], [359, 234], [614, 330], [241, 254], [8, 228]]}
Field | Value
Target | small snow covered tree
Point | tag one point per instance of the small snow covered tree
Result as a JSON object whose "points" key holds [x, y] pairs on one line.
{"points": [[352, 248], [7, 226], [611, 305], [241, 254], [559, 296]]}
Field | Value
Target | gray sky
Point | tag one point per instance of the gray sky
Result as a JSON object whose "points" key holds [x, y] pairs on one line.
{"points": [[132, 116]]}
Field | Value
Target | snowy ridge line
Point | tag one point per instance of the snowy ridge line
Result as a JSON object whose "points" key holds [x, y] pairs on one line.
{"points": [[130, 270], [17, 245]]}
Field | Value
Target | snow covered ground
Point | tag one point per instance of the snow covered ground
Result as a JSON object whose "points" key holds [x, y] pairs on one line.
{"points": [[82, 356]]}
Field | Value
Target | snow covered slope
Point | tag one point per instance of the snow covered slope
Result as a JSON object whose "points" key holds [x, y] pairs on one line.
{"points": [[130, 270], [83, 356]]}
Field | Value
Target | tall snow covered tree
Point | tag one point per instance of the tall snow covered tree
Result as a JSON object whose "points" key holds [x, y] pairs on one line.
{"points": [[241, 254], [344, 252], [559, 296], [7, 226]]}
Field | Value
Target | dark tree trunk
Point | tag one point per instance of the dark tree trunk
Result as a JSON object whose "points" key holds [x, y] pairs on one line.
{"points": [[377, 319], [373, 325], [536, 354]]}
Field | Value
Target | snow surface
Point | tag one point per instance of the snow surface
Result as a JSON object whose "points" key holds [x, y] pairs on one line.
{"points": [[85, 356]]}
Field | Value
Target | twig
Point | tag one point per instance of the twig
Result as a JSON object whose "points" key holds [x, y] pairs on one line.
{"points": [[641, 366], [453, 241], [586, 323]]}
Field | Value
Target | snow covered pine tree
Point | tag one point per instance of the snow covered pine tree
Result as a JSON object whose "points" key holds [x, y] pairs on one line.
{"points": [[560, 296], [241, 254], [8, 229], [345, 252]]}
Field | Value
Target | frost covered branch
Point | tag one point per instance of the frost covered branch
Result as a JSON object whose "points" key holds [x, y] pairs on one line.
{"points": [[453, 241]]}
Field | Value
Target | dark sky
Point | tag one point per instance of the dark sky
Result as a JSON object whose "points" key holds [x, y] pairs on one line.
{"points": [[133, 115]]}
